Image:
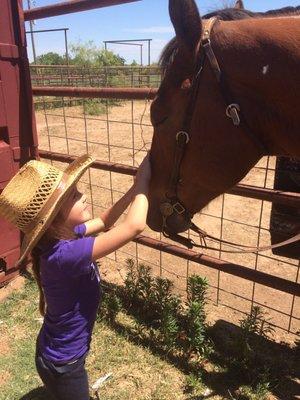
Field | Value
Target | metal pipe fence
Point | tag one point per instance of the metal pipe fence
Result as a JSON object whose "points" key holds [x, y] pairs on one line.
{"points": [[68, 7]]}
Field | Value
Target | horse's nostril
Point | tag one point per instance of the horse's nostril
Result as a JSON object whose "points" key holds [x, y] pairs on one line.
{"points": [[178, 223]]}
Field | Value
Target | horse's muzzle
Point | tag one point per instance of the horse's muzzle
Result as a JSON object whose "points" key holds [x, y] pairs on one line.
{"points": [[175, 218]]}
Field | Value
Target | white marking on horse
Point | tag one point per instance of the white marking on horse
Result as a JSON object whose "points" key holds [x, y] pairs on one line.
{"points": [[265, 69]]}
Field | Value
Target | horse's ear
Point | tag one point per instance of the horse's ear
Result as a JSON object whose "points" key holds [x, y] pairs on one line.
{"points": [[186, 21], [239, 4]]}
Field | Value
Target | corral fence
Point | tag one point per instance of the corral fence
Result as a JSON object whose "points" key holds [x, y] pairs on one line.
{"points": [[101, 77], [109, 76], [120, 137]]}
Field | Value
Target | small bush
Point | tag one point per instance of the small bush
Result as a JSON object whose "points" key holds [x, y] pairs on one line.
{"points": [[159, 308], [110, 306], [252, 327], [94, 107], [195, 317]]}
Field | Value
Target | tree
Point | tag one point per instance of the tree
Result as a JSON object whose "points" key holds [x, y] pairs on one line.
{"points": [[51, 59], [89, 55]]}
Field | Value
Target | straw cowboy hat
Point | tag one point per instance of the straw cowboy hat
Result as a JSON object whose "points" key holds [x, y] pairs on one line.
{"points": [[33, 197]]}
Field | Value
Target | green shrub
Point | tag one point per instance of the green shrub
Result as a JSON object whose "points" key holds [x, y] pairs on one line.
{"points": [[94, 107], [252, 326], [159, 308], [195, 325], [110, 306]]}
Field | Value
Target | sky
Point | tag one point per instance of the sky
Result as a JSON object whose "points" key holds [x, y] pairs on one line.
{"points": [[145, 19]]}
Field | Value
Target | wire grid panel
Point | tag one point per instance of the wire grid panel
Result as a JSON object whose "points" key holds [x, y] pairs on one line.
{"points": [[122, 133]]}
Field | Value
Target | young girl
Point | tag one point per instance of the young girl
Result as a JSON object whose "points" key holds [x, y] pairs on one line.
{"points": [[46, 205]]}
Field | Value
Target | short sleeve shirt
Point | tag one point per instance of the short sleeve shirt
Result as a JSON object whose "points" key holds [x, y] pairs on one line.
{"points": [[71, 285]]}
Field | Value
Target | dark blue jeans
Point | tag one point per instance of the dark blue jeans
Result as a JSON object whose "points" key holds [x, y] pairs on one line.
{"points": [[64, 382]]}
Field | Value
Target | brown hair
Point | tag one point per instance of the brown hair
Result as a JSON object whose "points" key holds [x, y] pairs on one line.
{"points": [[56, 231]]}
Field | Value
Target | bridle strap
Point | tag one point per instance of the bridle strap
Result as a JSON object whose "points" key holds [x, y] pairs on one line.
{"points": [[232, 108], [182, 139], [246, 249]]}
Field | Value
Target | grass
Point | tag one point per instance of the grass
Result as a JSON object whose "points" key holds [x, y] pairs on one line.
{"points": [[137, 373], [141, 368]]}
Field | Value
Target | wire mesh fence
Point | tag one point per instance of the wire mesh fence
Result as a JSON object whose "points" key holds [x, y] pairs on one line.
{"points": [[121, 132]]}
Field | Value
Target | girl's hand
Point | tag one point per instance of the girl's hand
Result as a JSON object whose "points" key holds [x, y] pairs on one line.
{"points": [[143, 175]]}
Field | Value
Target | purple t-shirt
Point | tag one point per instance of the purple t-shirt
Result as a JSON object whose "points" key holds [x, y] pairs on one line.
{"points": [[71, 285]]}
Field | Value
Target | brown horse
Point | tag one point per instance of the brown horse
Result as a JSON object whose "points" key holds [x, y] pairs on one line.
{"points": [[259, 59]]}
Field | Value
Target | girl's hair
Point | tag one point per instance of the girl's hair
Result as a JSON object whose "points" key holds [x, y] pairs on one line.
{"points": [[56, 231], [35, 256]]}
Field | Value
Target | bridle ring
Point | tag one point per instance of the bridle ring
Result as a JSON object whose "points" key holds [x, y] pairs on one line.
{"points": [[187, 138], [230, 107]]}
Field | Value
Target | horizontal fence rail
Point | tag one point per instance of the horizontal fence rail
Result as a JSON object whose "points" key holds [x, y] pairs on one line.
{"points": [[102, 93], [93, 68], [220, 265], [276, 196], [68, 7], [262, 278]]}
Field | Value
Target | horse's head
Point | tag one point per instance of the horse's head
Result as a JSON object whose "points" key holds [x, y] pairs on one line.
{"points": [[218, 153]]}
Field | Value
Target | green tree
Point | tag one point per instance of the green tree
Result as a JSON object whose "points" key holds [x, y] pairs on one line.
{"points": [[89, 55], [51, 58]]}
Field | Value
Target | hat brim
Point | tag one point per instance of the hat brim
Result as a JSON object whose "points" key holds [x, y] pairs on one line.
{"points": [[75, 170]]}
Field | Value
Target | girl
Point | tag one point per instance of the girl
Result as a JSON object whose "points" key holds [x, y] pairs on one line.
{"points": [[46, 205]]}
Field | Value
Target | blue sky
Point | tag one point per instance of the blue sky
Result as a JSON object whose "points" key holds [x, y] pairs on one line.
{"points": [[142, 19]]}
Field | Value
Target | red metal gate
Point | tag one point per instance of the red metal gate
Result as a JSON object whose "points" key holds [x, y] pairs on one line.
{"points": [[18, 140]]}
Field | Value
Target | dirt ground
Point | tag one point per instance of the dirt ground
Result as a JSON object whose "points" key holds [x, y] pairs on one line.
{"points": [[119, 136]]}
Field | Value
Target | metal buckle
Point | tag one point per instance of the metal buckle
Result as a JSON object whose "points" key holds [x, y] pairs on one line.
{"points": [[206, 41], [232, 111], [178, 208], [187, 138]]}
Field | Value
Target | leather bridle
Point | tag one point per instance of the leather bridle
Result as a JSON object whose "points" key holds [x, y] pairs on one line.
{"points": [[172, 206]]}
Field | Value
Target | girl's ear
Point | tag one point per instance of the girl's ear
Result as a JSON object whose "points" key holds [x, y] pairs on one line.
{"points": [[239, 4], [186, 21]]}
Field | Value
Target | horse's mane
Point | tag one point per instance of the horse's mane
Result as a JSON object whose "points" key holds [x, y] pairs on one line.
{"points": [[233, 14], [227, 14]]}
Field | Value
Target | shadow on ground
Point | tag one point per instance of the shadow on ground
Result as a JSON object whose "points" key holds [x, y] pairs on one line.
{"points": [[233, 365], [37, 394]]}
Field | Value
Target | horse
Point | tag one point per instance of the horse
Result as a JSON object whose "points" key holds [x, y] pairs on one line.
{"points": [[230, 94]]}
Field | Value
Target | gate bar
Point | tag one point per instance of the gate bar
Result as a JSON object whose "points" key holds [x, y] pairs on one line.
{"points": [[287, 198], [102, 93], [253, 275], [67, 7]]}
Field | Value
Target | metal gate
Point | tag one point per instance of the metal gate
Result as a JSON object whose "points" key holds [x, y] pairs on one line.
{"points": [[18, 140]]}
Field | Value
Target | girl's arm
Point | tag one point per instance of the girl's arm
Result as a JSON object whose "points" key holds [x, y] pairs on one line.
{"points": [[111, 215], [135, 220]]}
